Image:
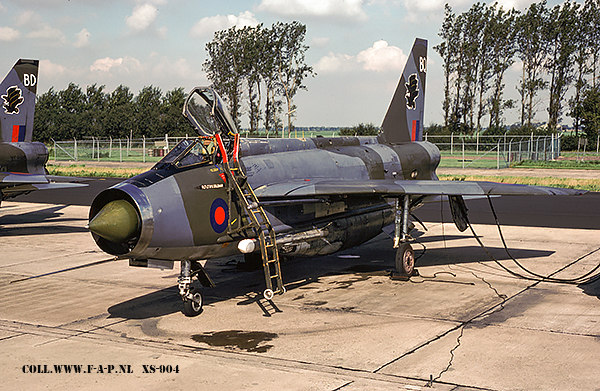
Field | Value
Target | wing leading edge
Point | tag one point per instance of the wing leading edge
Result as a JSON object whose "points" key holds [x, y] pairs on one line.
{"points": [[395, 188]]}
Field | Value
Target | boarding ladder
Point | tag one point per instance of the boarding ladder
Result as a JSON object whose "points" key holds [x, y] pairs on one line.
{"points": [[259, 221]]}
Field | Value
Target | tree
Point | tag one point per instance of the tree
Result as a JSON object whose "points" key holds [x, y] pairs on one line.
{"points": [[560, 31], [447, 49], [225, 68], [45, 122], [584, 28], [147, 108], [531, 49], [502, 36], [171, 119], [360, 130], [289, 61], [94, 116], [71, 121], [120, 113], [589, 109]]}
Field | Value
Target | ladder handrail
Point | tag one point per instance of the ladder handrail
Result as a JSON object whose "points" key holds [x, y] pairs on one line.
{"points": [[263, 227]]}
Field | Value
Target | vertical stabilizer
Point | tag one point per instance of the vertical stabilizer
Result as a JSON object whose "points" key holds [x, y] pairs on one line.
{"points": [[403, 121], [17, 101]]}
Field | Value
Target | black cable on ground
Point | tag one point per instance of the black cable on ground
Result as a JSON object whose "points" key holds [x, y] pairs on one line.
{"points": [[581, 280]]}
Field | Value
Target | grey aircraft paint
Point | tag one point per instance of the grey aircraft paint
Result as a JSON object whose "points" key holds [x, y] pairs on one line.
{"points": [[320, 194]]}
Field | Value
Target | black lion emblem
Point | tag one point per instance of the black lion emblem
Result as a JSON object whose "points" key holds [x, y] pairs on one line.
{"points": [[412, 91], [12, 100]]}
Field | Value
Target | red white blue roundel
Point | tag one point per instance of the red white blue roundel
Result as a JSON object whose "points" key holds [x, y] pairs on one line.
{"points": [[219, 215]]}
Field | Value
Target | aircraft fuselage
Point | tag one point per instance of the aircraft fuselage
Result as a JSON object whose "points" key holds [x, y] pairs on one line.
{"points": [[188, 213]]}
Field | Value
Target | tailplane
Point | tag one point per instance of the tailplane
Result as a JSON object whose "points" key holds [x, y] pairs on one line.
{"points": [[403, 121], [17, 100]]}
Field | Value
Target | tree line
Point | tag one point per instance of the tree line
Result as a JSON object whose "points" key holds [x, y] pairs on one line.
{"points": [[259, 70], [558, 47], [72, 113]]}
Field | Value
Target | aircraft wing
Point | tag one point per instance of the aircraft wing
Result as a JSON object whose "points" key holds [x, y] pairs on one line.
{"points": [[395, 188], [11, 182]]}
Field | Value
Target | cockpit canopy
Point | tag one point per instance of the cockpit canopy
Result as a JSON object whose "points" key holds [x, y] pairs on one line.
{"points": [[207, 113], [189, 152]]}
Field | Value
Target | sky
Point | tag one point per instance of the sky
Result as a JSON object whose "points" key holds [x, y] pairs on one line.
{"points": [[357, 47]]}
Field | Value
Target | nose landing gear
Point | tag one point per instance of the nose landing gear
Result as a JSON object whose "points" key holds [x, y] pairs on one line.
{"points": [[192, 298]]}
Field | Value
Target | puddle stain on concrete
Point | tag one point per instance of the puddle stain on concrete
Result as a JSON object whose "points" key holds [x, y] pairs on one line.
{"points": [[232, 339]]}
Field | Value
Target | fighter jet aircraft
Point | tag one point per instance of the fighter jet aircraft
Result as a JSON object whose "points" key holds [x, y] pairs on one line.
{"points": [[22, 162], [219, 195]]}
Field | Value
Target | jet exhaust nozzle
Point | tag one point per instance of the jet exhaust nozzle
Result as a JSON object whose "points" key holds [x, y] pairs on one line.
{"points": [[117, 222]]}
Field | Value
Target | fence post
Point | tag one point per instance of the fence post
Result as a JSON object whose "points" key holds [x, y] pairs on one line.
{"points": [[110, 149], [498, 156], [477, 148], [144, 149], [75, 152], [98, 148], [463, 153], [120, 151], [452, 143], [520, 145], [54, 150]]}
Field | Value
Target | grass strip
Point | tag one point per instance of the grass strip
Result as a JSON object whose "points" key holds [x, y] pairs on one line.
{"points": [[567, 183], [102, 172]]}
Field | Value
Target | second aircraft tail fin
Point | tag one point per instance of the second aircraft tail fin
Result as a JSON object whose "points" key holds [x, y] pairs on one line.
{"points": [[403, 121], [17, 101]]}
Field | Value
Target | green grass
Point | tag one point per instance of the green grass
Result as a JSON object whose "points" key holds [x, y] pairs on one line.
{"points": [[80, 170], [566, 183], [564, 164]]}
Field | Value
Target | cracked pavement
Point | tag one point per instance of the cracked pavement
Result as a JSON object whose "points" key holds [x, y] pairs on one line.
{"points": [[343, 324]]}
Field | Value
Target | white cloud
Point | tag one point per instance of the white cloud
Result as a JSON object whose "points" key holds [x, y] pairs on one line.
{"points": [[334, 63], [428, 5], [178, 69], [121, 65], [8, 34], [83, 38], [105, 64], [516, 4], [142, 17], [49, 33], [28, 18], [338, 9], [380, 58], [206, 27], [49, 70], [320, 42]]}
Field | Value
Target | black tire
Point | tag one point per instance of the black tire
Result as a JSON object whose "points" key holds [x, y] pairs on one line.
{"points": [[405, 260], [193, 307]]}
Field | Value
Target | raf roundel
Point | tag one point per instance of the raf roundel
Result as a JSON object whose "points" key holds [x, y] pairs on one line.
{"points": [[219, 215]]}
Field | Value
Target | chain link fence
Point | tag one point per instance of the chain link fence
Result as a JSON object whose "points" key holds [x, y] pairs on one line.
{"points": [[113, 150], [477, 151], [457, 150]]}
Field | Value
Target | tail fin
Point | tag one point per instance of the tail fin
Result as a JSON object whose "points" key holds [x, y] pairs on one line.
{"points": [[17, 100], [403, 121]]}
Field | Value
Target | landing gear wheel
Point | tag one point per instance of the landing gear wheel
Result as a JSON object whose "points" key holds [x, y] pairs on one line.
{"points": [[405, 260], [268, 294], [193, 307]]}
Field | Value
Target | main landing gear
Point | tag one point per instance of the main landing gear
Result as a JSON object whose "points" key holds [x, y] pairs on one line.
{"points": [[192, 298], [405, 256]]}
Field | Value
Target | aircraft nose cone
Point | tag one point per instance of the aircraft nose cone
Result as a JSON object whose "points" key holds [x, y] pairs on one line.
{"points": [[117, 222]]}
